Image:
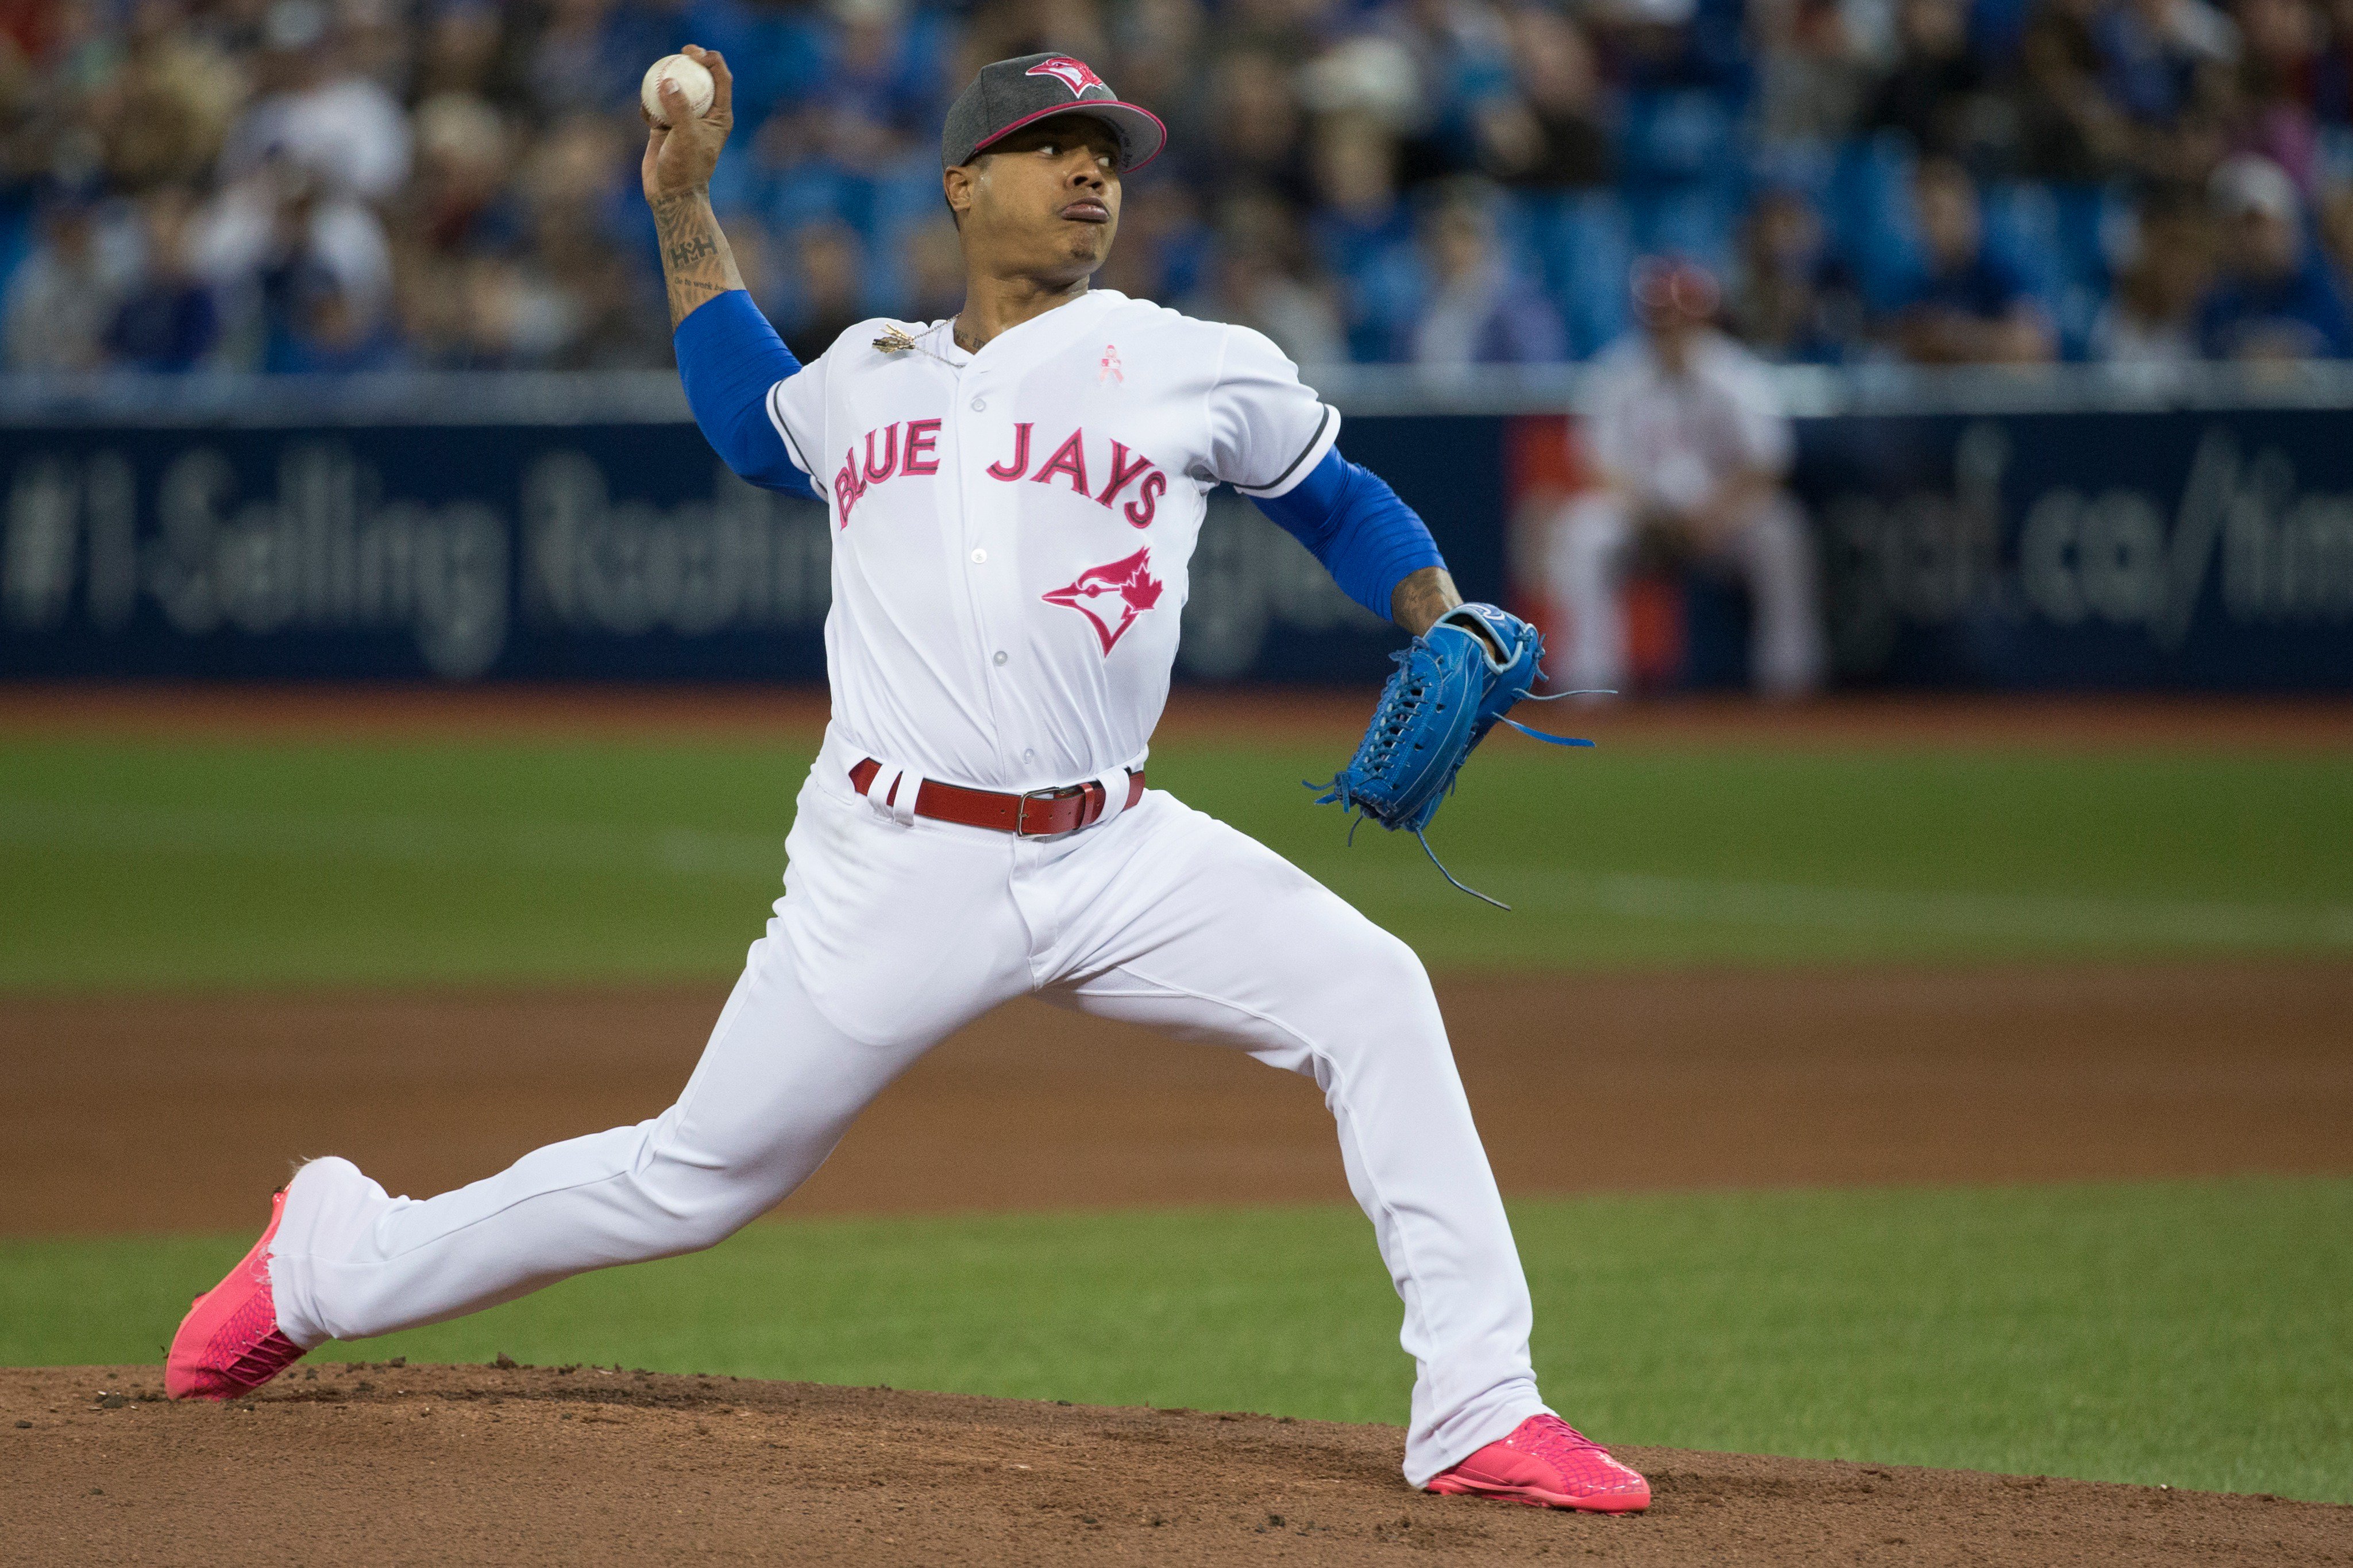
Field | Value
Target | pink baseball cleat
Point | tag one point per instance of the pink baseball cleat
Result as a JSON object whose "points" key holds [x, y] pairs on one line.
{"points": [[1547, 1463], [230, 1344]]}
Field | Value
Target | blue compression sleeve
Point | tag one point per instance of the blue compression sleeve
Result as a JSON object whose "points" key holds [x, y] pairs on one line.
{"points": [[729, 356], [1352, 522]]}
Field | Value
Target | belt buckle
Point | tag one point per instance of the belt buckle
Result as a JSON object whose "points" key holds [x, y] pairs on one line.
{"points": [[1021, 812]]}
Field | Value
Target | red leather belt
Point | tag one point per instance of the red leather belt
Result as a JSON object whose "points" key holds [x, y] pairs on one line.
{"points": [[1036, 814]]}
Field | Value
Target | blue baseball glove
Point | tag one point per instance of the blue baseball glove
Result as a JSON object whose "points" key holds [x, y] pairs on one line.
{"points": [[1454, 683]]}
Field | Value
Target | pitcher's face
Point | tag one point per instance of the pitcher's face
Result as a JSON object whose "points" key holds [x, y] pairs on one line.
{"points": [[1043, 201]]}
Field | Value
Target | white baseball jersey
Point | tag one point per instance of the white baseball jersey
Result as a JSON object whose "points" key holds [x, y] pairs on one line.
{"points": [[1670, 440], [1011, 527]]}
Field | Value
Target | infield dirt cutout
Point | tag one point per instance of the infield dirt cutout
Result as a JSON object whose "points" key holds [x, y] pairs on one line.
{"points": [[354, 1462], [1726, 1078]]}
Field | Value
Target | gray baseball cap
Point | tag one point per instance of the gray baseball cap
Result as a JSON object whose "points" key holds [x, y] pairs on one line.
{"points": [[1013, 93]]}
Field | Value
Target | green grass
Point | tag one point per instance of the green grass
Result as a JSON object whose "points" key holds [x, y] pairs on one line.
{"points": [[2192, 1333], [152, 865]]}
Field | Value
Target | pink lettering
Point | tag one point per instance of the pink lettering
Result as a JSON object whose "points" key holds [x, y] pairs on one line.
{"points": [[1070, 458], [875, 476], [1020, 464], [1148, 497], [845, 488], [1123, 473], [921, 434]]}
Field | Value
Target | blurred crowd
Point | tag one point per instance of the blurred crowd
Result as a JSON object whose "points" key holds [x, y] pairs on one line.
{"points": [[332, 184]]}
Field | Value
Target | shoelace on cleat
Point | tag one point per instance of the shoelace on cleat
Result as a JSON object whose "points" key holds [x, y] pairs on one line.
{"points": [[249, 1348], [1575, 1455]]}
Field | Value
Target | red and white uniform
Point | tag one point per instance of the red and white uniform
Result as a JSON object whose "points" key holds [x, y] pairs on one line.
{"points": [[1665, 442], [1011, 529]]}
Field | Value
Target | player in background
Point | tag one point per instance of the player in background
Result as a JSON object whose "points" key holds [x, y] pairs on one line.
{"points": [[1014, 494], [1687, 438]]}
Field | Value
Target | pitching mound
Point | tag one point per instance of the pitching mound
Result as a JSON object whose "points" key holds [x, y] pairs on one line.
{"points": [[385, 1463]]}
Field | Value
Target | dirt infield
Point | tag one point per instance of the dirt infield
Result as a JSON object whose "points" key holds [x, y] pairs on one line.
{"points": [[1616, 1081], [472, 1465]]}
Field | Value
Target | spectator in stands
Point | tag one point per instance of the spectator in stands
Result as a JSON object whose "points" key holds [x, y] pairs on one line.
{"points": [[583, 245], [882, 62], [2332, 63], [1462, 51], [1477, 310], [1970, 305], [1550, 131], [2152, 317], [169, 321], [1159, 57], [2068, 127], [589, 54], [165, 113], [1813, 75], [2156, 55], [316, 325], [1691, 450], [1161, 242], [2334, 220], [461, 208], [63, 295], [1254, 126], [932, 267], [1254, 279], [512, 316], [1659, 44], [2166, 65], [466, 47], [2279, 44], [1939, 93], [277, 224], [309, 272], [1362, 235], [1793, 300], [462, 198], [317, 111], [829, 276], [2275, 298], [516, 236]]}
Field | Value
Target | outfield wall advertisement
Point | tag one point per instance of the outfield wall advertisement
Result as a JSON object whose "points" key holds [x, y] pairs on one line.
{"points": [[2194, 550], [468, 553], [2209, 549]]}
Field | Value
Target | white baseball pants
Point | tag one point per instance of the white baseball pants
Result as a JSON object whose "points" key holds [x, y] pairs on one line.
{"points": [[891, 935], [1592, 539]]}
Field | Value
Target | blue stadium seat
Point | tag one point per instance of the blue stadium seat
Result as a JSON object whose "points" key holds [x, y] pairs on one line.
{"points": [[1583, 252], [1675, 135], [2023, 221], [1869, 215], [1698, 221]]}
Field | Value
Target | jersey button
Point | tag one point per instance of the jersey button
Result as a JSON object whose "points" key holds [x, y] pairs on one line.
{"points": [[980, 557], [981, 405], [1000, 656]]}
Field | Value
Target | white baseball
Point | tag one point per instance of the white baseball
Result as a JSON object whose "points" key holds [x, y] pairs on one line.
{"points": [[693, 78]]}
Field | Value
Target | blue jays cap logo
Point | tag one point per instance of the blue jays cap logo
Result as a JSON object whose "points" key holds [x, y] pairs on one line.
{"points": [[1076, 74], [1006, 95]]}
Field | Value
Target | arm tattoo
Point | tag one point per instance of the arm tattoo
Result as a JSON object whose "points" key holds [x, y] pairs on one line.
{"points": [[696, 262], [1416, 601]]}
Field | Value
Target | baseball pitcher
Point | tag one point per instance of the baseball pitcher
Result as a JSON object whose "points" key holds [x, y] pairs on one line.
{"points": [[1014, 494]]}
